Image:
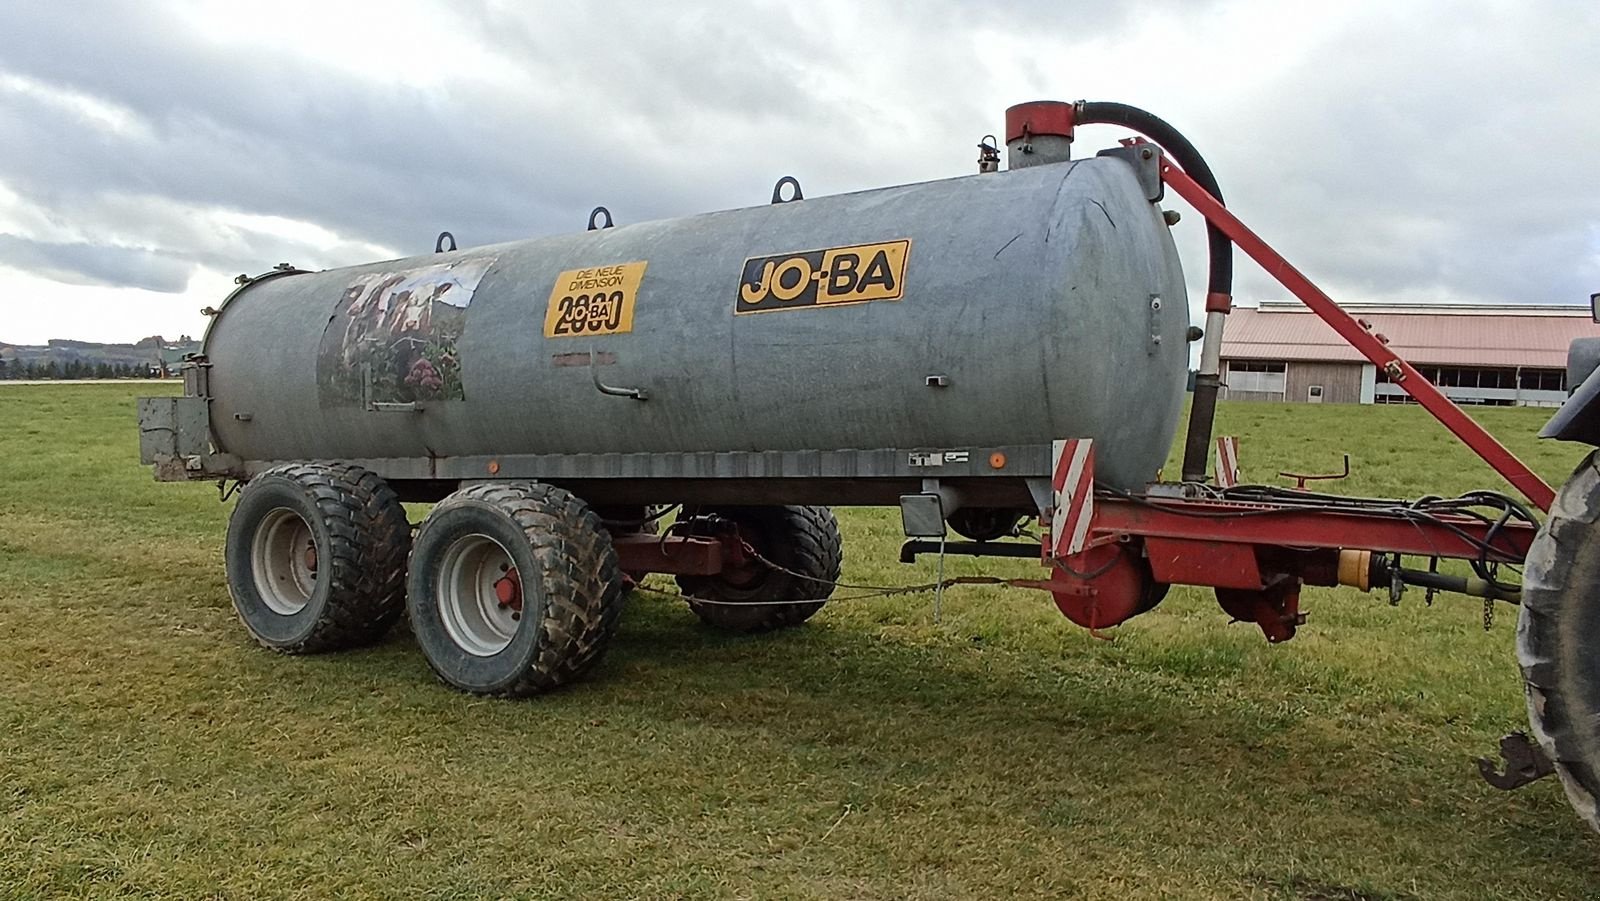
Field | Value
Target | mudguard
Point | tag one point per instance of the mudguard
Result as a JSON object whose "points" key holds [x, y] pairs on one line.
{"points": [[1579, 418]]}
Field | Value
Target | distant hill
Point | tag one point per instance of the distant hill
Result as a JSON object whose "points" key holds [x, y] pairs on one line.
{"points": [[64, 358]]}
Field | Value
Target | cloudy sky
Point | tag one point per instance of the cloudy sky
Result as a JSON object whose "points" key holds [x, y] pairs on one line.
{"points": [[150, 151]]}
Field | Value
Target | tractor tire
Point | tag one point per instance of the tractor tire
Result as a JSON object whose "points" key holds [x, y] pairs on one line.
{"points": [[804, 540], [514, 589], [1558, 637], [316, 557]]}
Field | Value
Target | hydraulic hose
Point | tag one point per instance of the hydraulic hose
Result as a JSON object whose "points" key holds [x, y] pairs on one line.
{"points": [[1202, 413]]}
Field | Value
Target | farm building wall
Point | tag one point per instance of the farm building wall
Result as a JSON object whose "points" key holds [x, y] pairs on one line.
{"points": [[1230, 394], [1506, 354], [1340, 382], [1253, 379]]}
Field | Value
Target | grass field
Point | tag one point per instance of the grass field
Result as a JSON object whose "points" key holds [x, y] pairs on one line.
{"points": [[149, 748]]}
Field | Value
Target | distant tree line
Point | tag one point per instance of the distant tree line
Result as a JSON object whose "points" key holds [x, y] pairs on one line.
{"points": [[72, 369]]}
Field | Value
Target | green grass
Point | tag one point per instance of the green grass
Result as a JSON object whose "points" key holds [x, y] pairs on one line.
{"points": [[149, 748]]}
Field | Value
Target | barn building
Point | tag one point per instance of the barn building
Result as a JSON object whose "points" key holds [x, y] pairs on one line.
{"points": [[1477, 354]]}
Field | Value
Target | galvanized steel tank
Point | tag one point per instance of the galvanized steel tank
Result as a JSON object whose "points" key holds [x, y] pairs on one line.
{"points": [[1007, 308]]}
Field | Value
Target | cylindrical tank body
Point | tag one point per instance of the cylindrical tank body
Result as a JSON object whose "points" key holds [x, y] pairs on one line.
{"points": [[1002, 309]]}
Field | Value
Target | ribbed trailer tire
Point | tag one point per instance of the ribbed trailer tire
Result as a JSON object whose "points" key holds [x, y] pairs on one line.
{"points": [[802, 539], [316, 557], [1558, 637], [571, 590]]}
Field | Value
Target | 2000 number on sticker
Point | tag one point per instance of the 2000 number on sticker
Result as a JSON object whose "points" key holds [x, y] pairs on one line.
{"points": [[594, 301]]}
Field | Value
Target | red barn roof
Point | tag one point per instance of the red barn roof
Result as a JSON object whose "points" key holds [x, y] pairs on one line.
{"points": [[1440, 335]]}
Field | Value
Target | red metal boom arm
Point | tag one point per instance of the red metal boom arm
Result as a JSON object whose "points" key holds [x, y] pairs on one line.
{"points": [[1399, 371]]}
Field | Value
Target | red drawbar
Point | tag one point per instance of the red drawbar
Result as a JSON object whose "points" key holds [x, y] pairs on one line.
{"points": [[675, 554], [1041, 117], [1200, 523]]}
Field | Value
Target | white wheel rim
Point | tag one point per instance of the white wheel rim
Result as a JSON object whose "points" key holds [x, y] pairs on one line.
{"points": [[283, 559], [476, 616]]}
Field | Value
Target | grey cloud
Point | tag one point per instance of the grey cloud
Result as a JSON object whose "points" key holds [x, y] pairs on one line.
{"points": [[1414, 151], [97, 265], [1454, 151], [391, 165], [1058, 19]]}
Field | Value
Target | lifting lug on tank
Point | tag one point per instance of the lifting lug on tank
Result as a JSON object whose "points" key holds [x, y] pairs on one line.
{"points": [[988, 155], [792, 182]]}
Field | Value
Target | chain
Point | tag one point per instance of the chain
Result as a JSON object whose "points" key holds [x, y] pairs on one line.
{"points": [[884, 592], [876, 590], [871, 592], [867, 592], [1488, 601]]}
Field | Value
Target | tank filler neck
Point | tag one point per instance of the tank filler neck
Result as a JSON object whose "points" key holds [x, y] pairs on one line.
{"points": [[1040, 132]]}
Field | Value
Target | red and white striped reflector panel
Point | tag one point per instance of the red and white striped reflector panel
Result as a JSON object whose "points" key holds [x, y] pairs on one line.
{"points": [[1073, 487], [1227, 462]]}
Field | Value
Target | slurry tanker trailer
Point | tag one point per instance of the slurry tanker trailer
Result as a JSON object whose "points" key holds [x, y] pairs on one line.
{"points": [[982, 351]]}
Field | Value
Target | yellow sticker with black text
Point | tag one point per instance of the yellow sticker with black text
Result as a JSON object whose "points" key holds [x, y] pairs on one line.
{"points": [[828, 277], [594, 301]]}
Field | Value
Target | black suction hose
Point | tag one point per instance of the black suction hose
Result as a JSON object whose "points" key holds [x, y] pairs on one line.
{"points": [[1197, 443]]}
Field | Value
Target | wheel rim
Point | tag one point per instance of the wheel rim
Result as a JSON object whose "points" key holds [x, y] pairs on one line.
{"points": [[745, 582], [480, 595], [283, 559]]}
